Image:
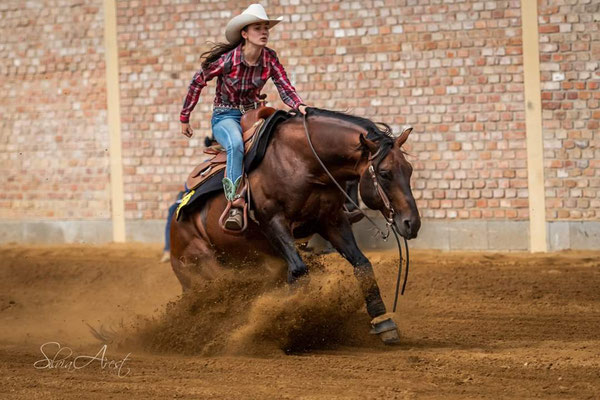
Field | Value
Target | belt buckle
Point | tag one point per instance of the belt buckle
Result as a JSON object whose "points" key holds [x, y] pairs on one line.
{"points": [[241, 107]]}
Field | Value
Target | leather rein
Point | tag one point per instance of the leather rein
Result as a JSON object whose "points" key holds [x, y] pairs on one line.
{"points": [[386, 202]]}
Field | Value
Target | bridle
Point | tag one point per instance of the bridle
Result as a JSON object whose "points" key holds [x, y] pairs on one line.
{"points": [[379, 189], [389, 222], [386, 202]]}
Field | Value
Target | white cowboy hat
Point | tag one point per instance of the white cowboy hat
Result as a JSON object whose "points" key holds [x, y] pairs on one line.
{"points": [[254, 13]]}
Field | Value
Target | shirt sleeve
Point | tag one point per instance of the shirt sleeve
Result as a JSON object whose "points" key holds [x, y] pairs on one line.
{"points": [[286, 90], [201, 78]]}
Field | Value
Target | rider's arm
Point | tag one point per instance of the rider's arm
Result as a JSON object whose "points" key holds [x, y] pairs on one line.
{"points": [[198, 83], [286, 90]]}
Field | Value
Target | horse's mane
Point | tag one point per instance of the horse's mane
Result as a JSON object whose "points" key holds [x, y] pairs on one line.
{"points": [[376, 131]]}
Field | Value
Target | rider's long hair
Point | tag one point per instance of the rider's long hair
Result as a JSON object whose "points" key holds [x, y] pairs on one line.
{"points": [[218, 50]]}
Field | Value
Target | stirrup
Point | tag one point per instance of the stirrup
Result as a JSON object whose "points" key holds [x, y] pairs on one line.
{"points": [[235, 220]]}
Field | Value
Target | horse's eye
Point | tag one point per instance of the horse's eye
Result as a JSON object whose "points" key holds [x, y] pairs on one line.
{"points": [[385, 174]]}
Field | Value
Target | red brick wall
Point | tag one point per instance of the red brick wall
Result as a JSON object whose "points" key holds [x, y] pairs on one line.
{"points": [[53, 135], [456, 76], [453, 70], [570, 74]]}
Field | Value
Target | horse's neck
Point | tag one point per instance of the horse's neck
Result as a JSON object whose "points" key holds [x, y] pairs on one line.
{"points": [[338, 145]]}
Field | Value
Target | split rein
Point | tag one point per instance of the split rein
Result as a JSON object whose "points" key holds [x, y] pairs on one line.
{"points": [[388, 205]]}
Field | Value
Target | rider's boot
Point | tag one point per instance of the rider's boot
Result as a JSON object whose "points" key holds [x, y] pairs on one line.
{"points": [[235, 219]]}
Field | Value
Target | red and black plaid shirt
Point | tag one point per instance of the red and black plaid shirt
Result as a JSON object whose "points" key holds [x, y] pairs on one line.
{"points": [[240, 83]]}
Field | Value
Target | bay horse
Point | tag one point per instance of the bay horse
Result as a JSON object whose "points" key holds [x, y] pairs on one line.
{"points": [[293, 197]]}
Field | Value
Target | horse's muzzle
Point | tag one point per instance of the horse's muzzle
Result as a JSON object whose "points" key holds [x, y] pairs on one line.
{"points": [[407, 225]]}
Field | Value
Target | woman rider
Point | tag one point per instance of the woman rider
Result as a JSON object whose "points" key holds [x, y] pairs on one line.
{"points": [[242, 68]]}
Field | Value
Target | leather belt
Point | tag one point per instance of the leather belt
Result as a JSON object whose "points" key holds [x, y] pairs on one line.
{"points": [[242, 107]]}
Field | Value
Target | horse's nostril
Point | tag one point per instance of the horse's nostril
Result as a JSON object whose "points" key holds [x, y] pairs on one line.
{"points": [[407, 224]]}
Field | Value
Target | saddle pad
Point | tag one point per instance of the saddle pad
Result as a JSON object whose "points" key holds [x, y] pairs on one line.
{"points": [[263, 137], [252, 159]]}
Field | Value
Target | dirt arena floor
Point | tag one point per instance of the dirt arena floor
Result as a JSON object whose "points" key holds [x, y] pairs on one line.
{"points": [[473, 325]]}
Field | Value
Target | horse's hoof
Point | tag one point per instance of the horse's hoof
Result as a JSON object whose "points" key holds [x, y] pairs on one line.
{"points": [[386, 330], [390, 337]]}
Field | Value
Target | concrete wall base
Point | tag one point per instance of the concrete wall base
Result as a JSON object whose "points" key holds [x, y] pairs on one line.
{"points": [[54, 232], [575, 235], [434, 234], [491, 235], [458, 235]]}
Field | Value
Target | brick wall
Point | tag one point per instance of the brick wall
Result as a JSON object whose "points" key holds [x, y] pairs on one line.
{"points": [[570, 74], [456, 75], [452, 69], [53, 135]]}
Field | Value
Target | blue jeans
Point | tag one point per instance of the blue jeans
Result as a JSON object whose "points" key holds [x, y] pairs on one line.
{"points": [[227, 131]]}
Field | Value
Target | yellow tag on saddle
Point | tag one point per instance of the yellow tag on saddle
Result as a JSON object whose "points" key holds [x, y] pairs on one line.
{"points": [[184, 200]]}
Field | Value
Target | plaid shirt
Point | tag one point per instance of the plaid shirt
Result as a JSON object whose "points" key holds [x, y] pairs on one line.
{"points": [[240, 83]]}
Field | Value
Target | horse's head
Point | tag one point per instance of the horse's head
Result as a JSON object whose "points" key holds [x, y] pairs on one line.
{"points": [[385, 183]]}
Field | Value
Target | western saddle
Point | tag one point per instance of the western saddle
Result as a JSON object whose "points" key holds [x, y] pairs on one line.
{"points": [[251, 123]]}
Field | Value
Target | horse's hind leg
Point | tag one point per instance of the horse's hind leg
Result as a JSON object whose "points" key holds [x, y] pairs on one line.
{"points": [[192, 259], [196, 263]]}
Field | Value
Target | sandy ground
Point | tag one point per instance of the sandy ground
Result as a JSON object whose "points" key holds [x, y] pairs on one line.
{"points": [[473, 325]]}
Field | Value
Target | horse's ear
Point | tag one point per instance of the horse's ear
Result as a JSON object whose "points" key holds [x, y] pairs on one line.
{"points": [[403, 136], [369, 144]]}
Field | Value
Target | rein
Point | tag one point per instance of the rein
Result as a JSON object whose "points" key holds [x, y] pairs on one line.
{"points": [[384, 236], [386, 201]]}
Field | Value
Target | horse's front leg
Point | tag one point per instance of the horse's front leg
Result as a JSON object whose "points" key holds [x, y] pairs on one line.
{"points": [[339, 233], [278, 233]]}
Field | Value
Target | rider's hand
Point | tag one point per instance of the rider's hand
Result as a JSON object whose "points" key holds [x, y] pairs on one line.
{"points": [[302, 109], [186, 129]]}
